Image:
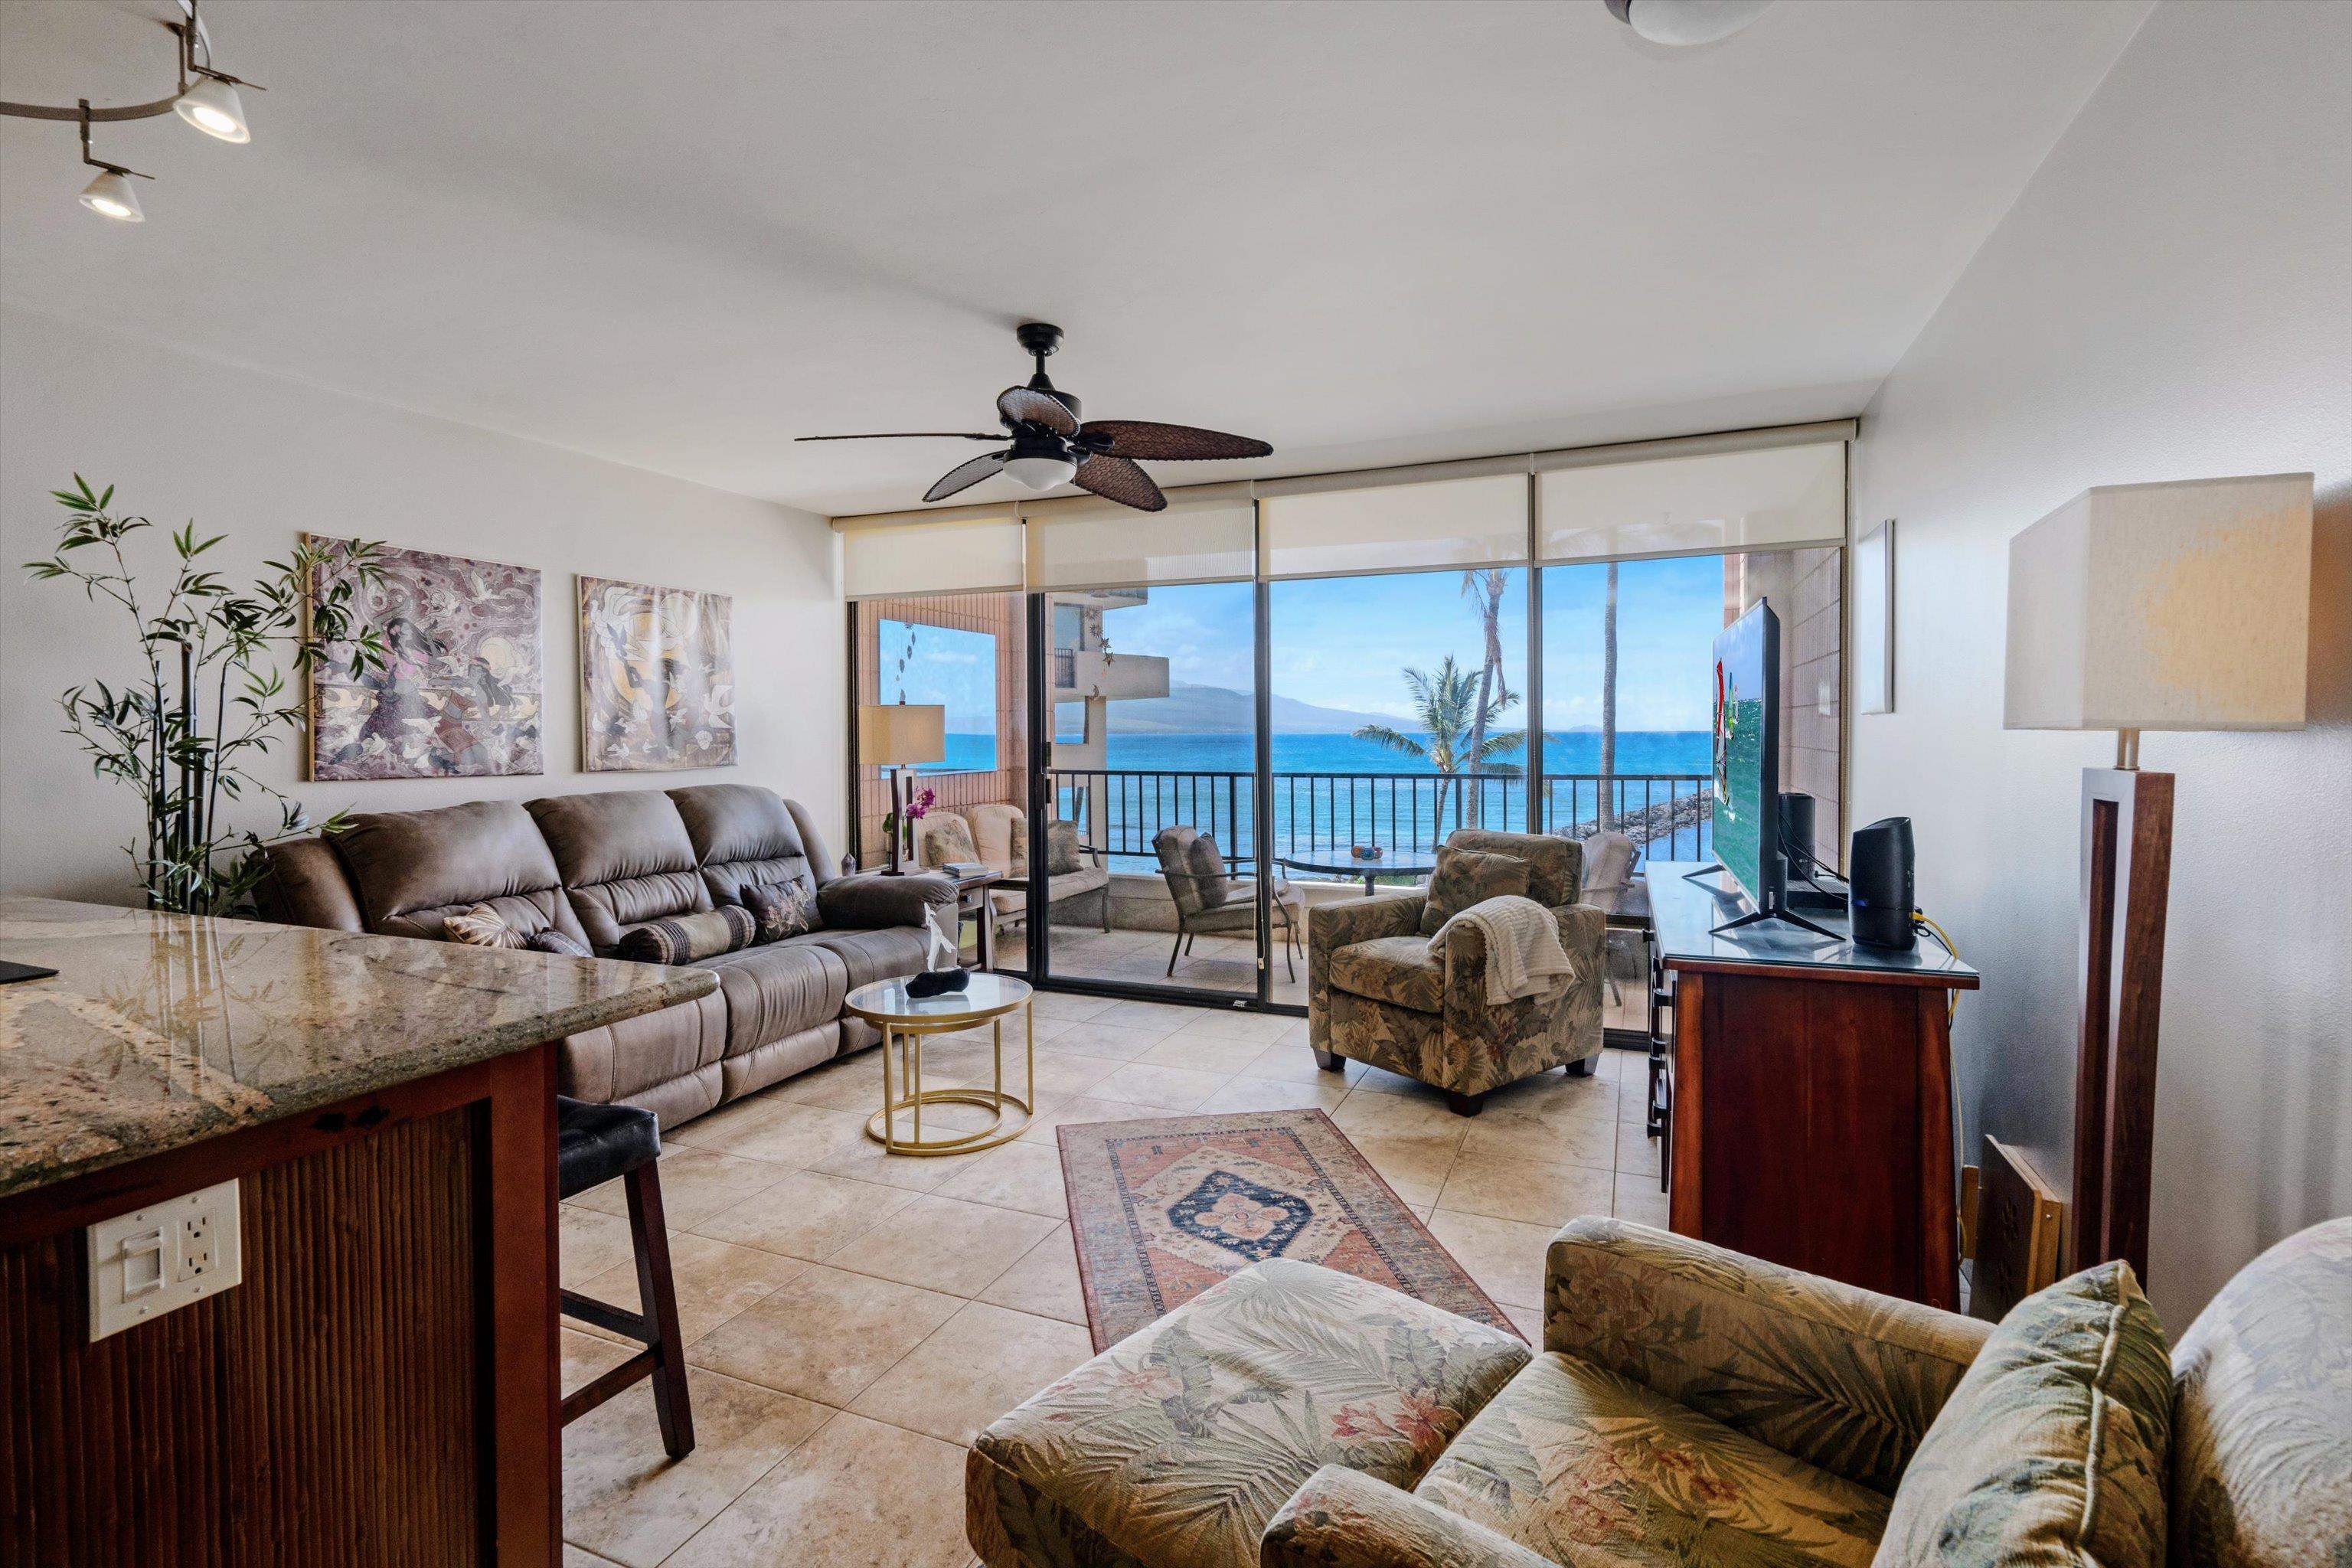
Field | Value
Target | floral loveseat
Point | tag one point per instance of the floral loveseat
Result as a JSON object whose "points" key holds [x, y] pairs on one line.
{"points": [[1690, 1406]]}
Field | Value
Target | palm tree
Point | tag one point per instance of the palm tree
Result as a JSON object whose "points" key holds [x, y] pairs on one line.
{"points": [[1449, 707], [1605, 808], [1485, 586]]}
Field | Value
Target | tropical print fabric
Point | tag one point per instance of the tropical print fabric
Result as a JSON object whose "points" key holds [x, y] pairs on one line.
{"points": [[2261, 1438], [1340, 923], [1176, 1445], [1590, 1470], [1467, 877], [1398, 969], [1845, 1379], [1342, 1520], [947, 838], [1555, 865], [2053, 1449]]}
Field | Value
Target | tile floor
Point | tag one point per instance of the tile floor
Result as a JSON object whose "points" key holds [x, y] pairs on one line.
{"points": [[854, 1318]]}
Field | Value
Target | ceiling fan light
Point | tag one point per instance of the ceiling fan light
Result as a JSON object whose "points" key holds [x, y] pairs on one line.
{"points": [[1683, 23], [1040, 473], [110, 195], [212, 107]]}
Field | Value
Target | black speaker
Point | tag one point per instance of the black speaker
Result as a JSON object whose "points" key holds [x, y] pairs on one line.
{"points": [[1797, 832], [1878, 867]]}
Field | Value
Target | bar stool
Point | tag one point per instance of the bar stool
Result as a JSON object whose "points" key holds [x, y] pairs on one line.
{"points": [[594, 1143]]}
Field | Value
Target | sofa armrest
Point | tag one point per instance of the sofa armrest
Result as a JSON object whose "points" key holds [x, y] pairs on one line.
{"points": [[1843, 1378], [869, 900], [1345, 1519]]}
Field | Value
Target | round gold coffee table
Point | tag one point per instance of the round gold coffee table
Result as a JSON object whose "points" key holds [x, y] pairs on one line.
{"points": [[906, 1020]]}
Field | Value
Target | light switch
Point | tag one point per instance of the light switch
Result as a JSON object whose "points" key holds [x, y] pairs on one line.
{"points": [[154, 1260]]}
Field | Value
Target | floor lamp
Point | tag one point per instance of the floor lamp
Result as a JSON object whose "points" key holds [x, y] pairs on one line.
{"points": [[897, 736], [2161, 606]]}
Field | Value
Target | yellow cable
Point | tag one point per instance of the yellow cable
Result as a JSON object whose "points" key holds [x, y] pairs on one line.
{"points": [[1951, 998]]}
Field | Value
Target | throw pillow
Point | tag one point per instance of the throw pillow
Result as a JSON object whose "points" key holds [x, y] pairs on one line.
{"points": [[2054, 1449], [480, 926], [1211, 882], [780, 910], [553, 941], [1062, 854], [682, 939], [1467, 877], [947, 836], [1019, 838]]}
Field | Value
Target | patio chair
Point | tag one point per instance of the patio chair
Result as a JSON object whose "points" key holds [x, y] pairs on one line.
{"points": [[1209, 898], [1609, 857]]}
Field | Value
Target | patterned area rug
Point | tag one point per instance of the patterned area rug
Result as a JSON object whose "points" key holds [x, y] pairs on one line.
{"points": [[1164, 1209]]}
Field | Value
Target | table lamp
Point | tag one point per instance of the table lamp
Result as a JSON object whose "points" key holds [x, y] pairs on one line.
{"points": [[897, 736], [2159, 606]]}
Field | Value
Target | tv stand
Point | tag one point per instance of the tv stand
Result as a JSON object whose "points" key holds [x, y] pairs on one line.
{"points": [[1775, 913], [1807, 1097]]}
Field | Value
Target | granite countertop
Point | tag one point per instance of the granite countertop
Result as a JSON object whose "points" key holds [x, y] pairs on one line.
{"points": [[162, 1030]]}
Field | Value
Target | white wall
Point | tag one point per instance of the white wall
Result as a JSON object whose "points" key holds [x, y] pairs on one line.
{"points": [[262, 459], [2172, 296]]}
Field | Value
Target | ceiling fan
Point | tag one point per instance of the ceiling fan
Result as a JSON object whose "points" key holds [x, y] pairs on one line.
{"points": [[1050, 447]]}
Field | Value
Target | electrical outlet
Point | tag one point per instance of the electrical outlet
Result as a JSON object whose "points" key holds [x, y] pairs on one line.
{"points": [[156, 1259]]}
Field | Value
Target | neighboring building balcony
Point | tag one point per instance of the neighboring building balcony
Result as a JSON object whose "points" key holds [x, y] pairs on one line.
{"points": [[1083, 673]]}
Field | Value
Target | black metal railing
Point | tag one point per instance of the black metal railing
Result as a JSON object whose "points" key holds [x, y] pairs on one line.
{"points": [[1120, 810]]}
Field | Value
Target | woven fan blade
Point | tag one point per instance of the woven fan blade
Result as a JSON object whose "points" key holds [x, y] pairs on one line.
{"points": [[964, 476], [1148, 438], [1025, 405], [1115, 478]]}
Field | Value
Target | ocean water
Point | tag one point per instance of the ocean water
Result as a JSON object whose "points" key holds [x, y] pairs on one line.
{"points": [[1157, 780]]}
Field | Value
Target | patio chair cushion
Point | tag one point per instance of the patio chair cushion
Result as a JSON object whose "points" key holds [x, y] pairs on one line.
{"points": [[946, 838], [1212, 884], [1467, 877], [1175, 1445], [1399, 969], [1062, 856], [1584, 1466]]}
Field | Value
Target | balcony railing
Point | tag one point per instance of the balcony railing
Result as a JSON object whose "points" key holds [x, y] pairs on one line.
{"points": [[1120, 810]]}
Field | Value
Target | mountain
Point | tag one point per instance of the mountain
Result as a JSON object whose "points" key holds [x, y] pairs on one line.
{"points": [[1217, 710]]}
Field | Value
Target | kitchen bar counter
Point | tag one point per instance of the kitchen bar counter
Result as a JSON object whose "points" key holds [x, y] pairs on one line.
{"points": [[160, 1030], [379, 1382]]}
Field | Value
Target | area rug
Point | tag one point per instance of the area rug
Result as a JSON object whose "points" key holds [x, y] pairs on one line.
{"points": [[1161, 1210]]}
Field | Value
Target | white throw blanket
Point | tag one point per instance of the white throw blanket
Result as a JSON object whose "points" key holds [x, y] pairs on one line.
{"points": [[1524, 957]]}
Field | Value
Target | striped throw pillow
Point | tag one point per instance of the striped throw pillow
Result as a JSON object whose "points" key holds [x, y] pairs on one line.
{"points": [[682, 939]]}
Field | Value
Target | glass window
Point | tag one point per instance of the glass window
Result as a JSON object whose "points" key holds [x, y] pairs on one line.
{"points": [[954, 668]]}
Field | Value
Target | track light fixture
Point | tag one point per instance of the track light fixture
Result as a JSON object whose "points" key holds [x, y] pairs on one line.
{"points": [[206, 98]]}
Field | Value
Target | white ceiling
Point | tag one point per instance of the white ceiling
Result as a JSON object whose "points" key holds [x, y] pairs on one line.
{"points": [[678, 234]]}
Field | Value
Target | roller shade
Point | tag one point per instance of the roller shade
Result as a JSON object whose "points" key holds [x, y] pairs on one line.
{"points": [[1774, 498], [966, 553], [1207, 534], [1481, 520]]}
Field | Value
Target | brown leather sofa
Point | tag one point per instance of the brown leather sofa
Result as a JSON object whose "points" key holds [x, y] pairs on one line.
{"points": [[594, 865]]}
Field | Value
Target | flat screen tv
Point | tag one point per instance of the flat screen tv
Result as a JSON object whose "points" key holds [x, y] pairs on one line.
{"points": [[1748, 753]]}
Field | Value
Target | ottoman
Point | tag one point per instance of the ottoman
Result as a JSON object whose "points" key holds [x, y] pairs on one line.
{"points": [[1173, 1447]]}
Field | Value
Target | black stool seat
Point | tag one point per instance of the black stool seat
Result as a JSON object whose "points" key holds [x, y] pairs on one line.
{"points": [[594, 1143]]}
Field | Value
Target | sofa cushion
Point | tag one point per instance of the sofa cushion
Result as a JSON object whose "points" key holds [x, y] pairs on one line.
{"points": [[1175, 1445], [633, 1061], [743, 837], [1584, 1466], [884, 954], [1399, 969], [2261, 1438], [1467, 877], [625, 859], [2054, 1450], [413, 869], [777, 989]]}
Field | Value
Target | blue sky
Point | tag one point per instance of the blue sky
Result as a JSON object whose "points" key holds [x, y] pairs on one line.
{"points": [[1344, 643]]}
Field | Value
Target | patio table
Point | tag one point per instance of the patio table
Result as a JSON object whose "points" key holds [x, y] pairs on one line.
{"points": [[1395, 863]]}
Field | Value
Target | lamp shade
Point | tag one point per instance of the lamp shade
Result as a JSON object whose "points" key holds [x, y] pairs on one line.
{"points": [[2164, 607], [894, 735]]}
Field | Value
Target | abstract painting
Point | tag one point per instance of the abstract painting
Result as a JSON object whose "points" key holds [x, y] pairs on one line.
{"points": [[657, 678], [460, 693]]}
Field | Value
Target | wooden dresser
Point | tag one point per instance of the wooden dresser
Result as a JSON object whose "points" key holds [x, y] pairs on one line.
{"points": [[1808, 1093]]}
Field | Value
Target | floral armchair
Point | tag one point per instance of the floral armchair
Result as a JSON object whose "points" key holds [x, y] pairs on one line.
{"points": [[1376, 994], [1692, 1406]]}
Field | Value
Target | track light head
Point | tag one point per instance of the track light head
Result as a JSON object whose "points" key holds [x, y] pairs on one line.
{"points": [[110, 195], [212, 105]]}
